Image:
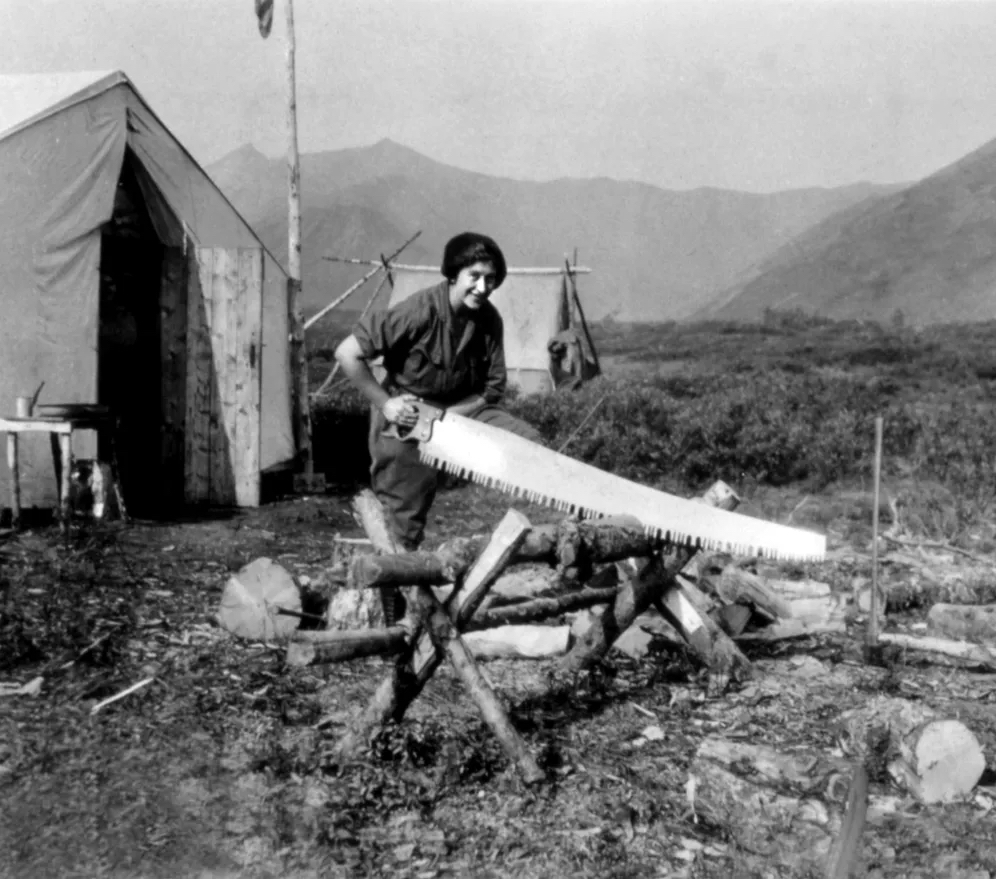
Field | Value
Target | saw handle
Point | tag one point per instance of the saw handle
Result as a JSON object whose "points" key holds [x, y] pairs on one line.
{"points": [[421, 430]]}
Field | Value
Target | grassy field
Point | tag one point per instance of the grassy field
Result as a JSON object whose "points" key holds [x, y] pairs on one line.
{"points": [[219, 766]]}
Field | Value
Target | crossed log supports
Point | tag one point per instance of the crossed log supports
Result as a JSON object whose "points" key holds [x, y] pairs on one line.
{"points": [[431, 629]]}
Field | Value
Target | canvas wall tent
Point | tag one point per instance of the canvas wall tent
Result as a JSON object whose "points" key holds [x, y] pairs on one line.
{"points": [[536, 307], [127, 278]]}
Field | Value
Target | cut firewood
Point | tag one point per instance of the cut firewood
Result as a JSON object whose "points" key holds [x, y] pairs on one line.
{"points": [[733, 618], [935, 758], [737, 586], [519, 642], [977, 654], [972, 622], [655, 582], [683, 605], [251, 600]]}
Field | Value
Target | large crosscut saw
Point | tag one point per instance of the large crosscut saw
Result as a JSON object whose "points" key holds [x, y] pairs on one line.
{"points": [[502, 460]]}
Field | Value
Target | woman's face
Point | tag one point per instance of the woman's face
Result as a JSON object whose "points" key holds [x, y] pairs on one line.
{"points": [[472, 287]]}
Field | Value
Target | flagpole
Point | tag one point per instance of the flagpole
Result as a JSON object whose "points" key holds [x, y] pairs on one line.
{"points": [[298, 352]]}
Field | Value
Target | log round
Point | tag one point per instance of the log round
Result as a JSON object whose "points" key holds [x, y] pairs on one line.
{"points": [[938, 759]]}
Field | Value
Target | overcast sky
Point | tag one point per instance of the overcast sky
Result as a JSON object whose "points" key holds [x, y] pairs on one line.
{"points": [[758, 96]]}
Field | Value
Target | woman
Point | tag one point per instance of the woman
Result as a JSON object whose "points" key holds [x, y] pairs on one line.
{"points": [[443, 345]]}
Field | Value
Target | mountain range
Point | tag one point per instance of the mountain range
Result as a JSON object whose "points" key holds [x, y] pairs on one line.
{"points": [[925, 253], [655, 254]]}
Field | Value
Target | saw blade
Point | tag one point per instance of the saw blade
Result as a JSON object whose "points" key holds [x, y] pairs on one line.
{"points": [[512, 464]]}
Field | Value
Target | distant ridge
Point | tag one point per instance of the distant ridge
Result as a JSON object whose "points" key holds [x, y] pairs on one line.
{"points": [[925, 253], [656, 254]]}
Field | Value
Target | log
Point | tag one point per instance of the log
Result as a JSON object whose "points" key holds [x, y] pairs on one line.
{"points": [[576, 545], [977, 654], [914, 592], [518, 642], [500, 550], [421, 568], [509, 641], [523, 582], [656, 581], [541, 608], [446, 638], [771, 829], [414, 667], [935, 758], [251, 599], [580, 544], [805, 772], [318, 647], [349, 609], [973, 622]]}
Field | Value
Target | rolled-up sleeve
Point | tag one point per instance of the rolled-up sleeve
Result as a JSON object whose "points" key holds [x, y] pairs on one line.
{"points": [[381, 332]]}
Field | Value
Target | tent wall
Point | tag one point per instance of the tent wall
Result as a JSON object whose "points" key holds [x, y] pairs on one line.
{"points": [[533, 308], [60, 175], [59, 179]]}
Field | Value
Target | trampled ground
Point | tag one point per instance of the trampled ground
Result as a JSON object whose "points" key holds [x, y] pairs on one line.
{"points": [[217, 767]]}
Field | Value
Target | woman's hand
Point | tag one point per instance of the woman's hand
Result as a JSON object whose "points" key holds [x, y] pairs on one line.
{"points": [[400, 410]]}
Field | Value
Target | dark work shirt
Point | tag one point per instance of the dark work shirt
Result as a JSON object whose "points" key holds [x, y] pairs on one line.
{"points": [[429, 352]]}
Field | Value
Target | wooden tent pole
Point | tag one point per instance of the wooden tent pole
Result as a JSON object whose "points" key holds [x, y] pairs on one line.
{"points": [[577, 301], [335, 369], [298, 351], [408, 267], [379, 265]]}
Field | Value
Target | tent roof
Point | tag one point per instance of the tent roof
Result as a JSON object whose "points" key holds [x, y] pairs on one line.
{"points": [[29, 97]]}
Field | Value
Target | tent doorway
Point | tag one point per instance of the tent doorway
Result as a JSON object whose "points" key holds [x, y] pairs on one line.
{"points": [[129, 372]]}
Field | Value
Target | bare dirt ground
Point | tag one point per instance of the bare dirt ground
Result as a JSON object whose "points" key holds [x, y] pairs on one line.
{"points": [[218, 767]]}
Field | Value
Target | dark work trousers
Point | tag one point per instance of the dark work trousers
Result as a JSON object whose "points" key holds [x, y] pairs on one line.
{"points": [[405, 486]]}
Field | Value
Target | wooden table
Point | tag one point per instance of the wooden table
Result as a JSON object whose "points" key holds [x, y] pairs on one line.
{"points": [[60, 431]]}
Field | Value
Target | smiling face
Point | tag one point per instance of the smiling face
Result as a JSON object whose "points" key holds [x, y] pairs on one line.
{"points": [[472, 287]]}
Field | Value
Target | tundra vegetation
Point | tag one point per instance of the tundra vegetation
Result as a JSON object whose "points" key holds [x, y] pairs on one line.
{"points": [[220, 766]]}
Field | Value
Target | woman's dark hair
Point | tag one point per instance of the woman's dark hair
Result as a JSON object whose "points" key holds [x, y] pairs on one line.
{"points": [[468, 248]]}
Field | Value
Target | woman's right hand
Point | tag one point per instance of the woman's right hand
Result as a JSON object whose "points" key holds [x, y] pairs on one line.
{"points": [[400, 410]]}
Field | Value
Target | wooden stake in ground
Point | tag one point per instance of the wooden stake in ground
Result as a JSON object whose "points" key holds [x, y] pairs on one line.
{"points": [[872, 635]]}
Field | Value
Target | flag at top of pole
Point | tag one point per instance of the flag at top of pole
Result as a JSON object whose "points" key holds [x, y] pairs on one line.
{"points": [[264, 14]]}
